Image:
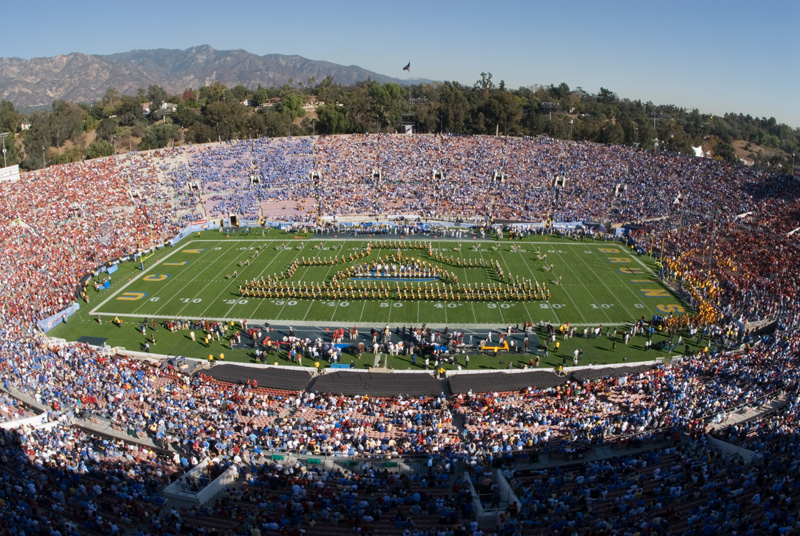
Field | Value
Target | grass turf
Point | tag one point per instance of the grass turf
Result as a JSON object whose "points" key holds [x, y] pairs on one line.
{"points": [[591, 283]]}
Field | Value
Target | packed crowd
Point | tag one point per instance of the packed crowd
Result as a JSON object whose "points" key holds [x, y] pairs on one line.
{"points": [[282, 497], [775, 437], [452, 177], [689, 488], [731, 269], [65, 221], [60, 480], [704, 389], [212, 418], [249, 178]]}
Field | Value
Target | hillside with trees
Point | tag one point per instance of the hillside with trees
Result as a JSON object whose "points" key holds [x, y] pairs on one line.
{"points": [[154, 118]]}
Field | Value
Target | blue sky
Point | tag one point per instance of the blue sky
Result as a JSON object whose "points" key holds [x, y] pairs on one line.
{"points": [[716, 56]]}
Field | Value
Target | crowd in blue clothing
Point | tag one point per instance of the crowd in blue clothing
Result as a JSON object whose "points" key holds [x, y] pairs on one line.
{"points": [[705, 389], [690, 488], [237, 177], [470, 178], [60, 480], [279, 496]]}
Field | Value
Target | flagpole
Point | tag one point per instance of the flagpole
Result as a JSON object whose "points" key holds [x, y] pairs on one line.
{"points": [[408, 84]]}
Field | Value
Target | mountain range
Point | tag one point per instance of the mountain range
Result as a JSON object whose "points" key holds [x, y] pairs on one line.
{"points": [[80, 77]]}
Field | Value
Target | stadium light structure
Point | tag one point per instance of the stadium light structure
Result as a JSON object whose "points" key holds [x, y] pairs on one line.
{"points": [[44, 158], [4, 135], [550, 106]]}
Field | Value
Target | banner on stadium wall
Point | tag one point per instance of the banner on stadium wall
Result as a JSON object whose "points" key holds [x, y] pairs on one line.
{"points": [[561, 225], [113, 269], [519, 226], [50, 322], [796, 173], [180, 236], [566, 225], [202, 226], [9, 174], [193, 227]]}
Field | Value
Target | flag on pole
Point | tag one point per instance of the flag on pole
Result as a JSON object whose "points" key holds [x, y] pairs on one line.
{"points": [[407, 67]]}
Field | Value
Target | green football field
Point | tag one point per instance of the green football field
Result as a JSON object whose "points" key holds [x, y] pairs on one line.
{"points": [[589, 282]]}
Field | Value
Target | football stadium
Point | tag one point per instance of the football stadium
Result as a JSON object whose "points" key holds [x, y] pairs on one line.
{"points": [[399, 335]]}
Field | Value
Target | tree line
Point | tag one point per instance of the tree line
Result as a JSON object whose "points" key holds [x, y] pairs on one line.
{"points": [[153, 118]]}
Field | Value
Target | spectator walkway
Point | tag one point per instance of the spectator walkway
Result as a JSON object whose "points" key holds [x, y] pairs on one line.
{"points": [[104, 427], [749, 413], [25, 397]]}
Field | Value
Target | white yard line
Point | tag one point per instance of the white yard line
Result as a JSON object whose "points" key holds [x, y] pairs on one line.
{"points": [[261, 301], [332, 322], [622, 249], [535, 280], [191, 281], [466, 282], [363, 306], [497, 304], [260, 275], [225, 289], [132, 281], [561, 259]]}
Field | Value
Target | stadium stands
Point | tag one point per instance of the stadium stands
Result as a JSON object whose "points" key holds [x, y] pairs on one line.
{"points": [[558, 440]]}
